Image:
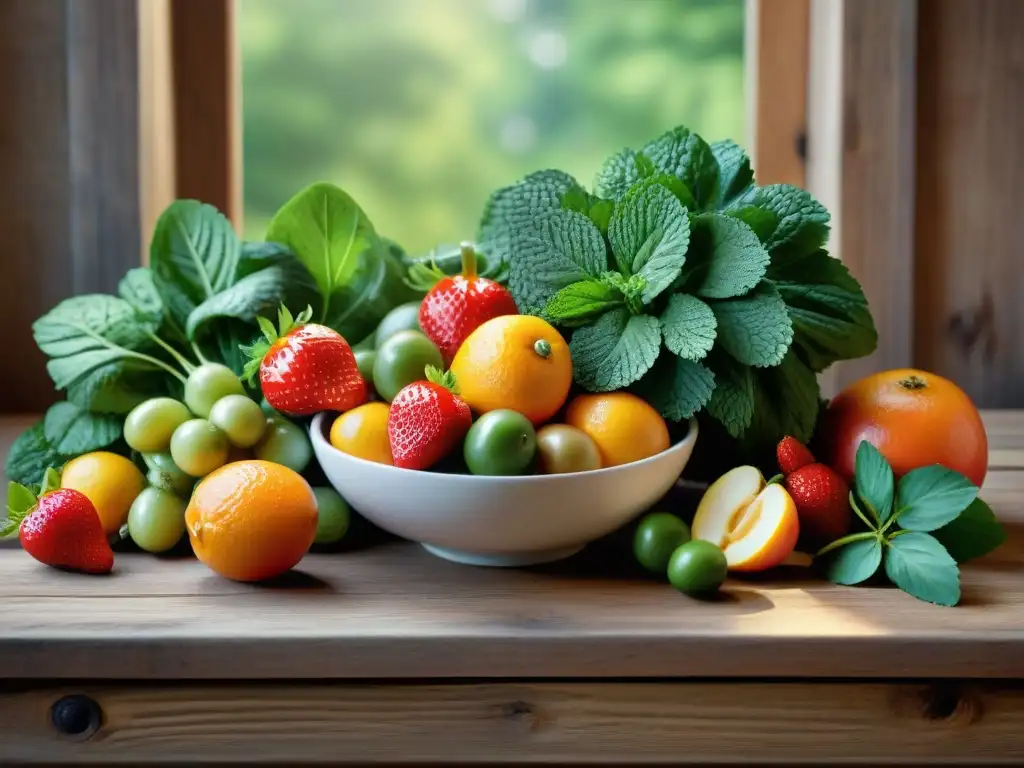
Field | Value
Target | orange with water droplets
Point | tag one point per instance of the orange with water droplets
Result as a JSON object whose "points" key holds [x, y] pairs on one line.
{"points": [[251, 520], [515, 362]]}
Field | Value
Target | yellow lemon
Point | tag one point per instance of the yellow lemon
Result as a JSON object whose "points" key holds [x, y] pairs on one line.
{"points": [[363, 432], [109, 481]]}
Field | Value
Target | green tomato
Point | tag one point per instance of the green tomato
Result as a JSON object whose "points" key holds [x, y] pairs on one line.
{"points": [[156, 520], [166, 475], [697, 568], [198, 447], [401, 360], [149, 425], [332, 523], [562, 448], [657, 536], [285, 443], [404, 317], [365, 358], [240, 418], [209, 383], [267, 408], [501, 442]]}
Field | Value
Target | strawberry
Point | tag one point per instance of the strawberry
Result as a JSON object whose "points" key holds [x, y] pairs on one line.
{"points": [[304, 368], [427, 421], [792, 455], [822, 500], [457, 306], [60, 528]]}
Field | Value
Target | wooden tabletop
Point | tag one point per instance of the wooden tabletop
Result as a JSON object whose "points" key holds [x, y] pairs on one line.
{"points": [[394, 611]]}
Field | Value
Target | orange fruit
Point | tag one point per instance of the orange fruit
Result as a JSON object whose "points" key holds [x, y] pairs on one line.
{"points": [[914, 418], [110, 481], [251, 520], [624, 427], [514, 362], [363, 432]]}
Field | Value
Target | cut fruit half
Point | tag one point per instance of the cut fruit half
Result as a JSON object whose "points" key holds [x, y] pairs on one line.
{"points": [[756, 526]]}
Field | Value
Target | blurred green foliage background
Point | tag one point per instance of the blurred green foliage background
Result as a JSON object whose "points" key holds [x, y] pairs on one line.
{"points": [[421, 108]]}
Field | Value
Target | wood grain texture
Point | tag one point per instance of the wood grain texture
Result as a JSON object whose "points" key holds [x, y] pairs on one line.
{"points": [[877, 210], [206, 104], [781, 47], [514, 723], [68, 150], [970, 236]]}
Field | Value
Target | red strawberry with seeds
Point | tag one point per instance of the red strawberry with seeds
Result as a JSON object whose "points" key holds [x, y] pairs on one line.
{"points": [[792, 455], [304, 367], [61, 529], [427, 421], [457, 306]]}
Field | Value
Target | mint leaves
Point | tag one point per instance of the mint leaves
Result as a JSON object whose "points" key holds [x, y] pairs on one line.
{"points": [[919, 529], [678, 277]]}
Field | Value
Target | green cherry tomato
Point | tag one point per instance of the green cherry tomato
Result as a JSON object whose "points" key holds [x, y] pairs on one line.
{"points": [[267, 408], [401, 360], [240, 418], [156, 520], [198, 447], [209, 383], [404, 317], [149, 425], [365, 358], [501, 442], [562, 448], [332, 523], [285, 443], [657, 536], [166, 475], [697, 568]]}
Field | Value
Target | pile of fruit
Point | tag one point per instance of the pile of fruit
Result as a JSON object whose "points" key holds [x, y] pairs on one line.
{"points": [[513, 371]]}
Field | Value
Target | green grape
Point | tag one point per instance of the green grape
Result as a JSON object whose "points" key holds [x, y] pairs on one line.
{"points": [[166, 475], [156, 520], [285, 443], [150, 424], [209, 383], [332, 523], [240, 418], [198, 447]]}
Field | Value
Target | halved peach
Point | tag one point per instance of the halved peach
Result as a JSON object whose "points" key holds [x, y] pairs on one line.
{"points": [[755, 525]]}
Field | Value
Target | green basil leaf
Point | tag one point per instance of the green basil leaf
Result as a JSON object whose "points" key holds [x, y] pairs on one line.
{"points": [[874, 480], [973, 533], [688, 326], [73, 431], [618, 349], [929, 497], [920, 566], [853, 563]]}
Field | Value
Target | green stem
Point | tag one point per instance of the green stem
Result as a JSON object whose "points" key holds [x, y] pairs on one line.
{"points": [[182, 361], [900, 532], [158, 363], [860, 514], [468, 261], [199, 353], [846, 540], [891, 521], [128, 352]]}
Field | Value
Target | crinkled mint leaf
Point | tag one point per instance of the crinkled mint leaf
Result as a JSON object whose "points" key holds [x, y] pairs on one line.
{"points": [[558, 249], [755, 328], [30, 455], [732, 403], [676, 388], [734, 172], [615, 351], [732, 259], [928, 498], [761, 220], [974, 533], [650, 234], [687, 156], [831, 319], [582, 300], [688, 326], [920, 566], [73, 431], [618, 173], [874, 481], [601, 214], [803, 221], [853, 563], [786, 401]]}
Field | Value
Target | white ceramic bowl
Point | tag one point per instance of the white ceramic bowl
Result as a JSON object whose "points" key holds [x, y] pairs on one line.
{"points": [[501, 521]]}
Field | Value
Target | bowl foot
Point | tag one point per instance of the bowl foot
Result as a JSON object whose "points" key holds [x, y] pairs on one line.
{"points": [[502, 561]]}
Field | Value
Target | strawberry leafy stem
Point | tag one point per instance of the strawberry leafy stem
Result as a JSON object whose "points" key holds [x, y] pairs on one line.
{"points": [[255, 352], [444, 379]]}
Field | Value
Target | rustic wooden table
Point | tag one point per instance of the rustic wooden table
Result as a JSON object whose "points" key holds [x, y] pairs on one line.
{"points": [[388, 654]]}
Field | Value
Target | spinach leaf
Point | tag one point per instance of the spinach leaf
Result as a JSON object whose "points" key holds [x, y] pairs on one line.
{"points": [[73, 431], [193, 255]]}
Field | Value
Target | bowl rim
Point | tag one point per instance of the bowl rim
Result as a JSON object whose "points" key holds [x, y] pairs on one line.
{"points": [[316, 433]]}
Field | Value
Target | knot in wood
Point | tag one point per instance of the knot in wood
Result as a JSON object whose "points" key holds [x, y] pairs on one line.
{"points": [[950, 703]]}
